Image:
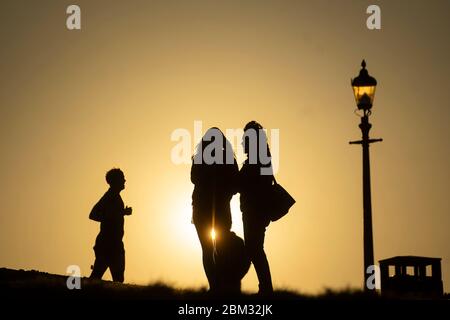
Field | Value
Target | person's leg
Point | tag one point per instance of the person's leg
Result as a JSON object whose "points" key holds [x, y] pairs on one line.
{"points": [[223, 260], [100, 265], [204, 235], [117, 266], [254, 233]]}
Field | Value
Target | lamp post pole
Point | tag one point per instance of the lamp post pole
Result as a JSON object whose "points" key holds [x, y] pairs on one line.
{"points": [[367, 198], [364, 89]]}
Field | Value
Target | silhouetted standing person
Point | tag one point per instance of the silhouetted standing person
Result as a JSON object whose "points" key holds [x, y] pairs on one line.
{"points": [[110, 212], [214, 173], [255, 179]]}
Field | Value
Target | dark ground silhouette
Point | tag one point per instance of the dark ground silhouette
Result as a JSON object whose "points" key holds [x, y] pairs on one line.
{"points": [[32, 292], [41, 285]]}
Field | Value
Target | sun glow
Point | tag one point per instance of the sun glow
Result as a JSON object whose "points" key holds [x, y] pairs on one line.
{"points": [[180, 213]]}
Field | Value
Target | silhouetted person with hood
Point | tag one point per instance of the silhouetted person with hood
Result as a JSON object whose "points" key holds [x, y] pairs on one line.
{"points": [[110, 212], [214, 173], [255, 179]]}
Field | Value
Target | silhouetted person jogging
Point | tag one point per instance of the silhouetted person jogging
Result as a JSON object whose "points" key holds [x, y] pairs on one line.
{"points": [[109, 211], [255, 179], [214, 173]]}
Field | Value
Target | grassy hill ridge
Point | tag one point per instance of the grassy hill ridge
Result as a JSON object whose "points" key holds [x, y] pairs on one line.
{"points": [[42, 284]]}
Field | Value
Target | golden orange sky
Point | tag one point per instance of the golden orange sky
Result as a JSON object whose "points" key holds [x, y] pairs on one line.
{"points": [[77, 103]]}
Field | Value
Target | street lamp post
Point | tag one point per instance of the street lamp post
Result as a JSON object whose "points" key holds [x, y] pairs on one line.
{"points": [[364, 91]]}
